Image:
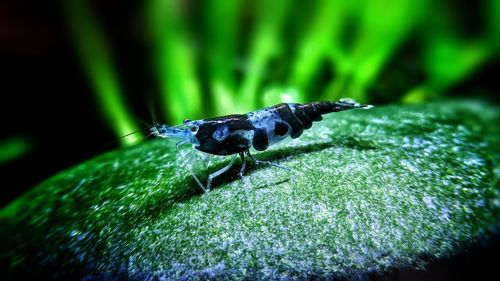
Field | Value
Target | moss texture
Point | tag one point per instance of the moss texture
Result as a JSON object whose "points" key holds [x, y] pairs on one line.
{"points": [[371, 190]]}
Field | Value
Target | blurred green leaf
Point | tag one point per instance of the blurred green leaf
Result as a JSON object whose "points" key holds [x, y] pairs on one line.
{"points": [[448, 61], [264, 45], [96, 59], [12, 149], [174, 60]]}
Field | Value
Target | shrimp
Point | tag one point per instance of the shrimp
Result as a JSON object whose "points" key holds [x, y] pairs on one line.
{"points": [[236, 134]]}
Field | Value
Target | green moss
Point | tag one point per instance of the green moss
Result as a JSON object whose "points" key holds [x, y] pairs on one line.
{"points": [[372, 190]]}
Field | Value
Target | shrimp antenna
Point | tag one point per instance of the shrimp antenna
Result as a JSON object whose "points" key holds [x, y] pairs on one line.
{"points": [[121, 137], [134, 132]]}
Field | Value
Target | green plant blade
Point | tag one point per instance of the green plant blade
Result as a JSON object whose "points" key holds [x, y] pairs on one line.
{"points": [[97, 61]]}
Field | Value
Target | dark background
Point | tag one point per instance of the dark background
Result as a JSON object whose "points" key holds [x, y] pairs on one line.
{"points": [[46, 98]]}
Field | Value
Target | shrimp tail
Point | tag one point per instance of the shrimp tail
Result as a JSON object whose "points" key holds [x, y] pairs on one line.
{"points": [[314, 110]]}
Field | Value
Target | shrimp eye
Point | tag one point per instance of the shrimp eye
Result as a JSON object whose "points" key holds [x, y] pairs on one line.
{"points": [[194, 128], [186, 121]]}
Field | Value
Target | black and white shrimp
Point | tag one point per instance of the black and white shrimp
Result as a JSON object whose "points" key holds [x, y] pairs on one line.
{"points": [[236, 134]]}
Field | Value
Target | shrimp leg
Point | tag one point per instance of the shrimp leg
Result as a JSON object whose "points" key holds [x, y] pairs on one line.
{"points": [[259, 162], [218, 173], [243, 165]]}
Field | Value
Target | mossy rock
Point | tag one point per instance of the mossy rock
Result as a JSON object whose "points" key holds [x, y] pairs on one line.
{"points": [[371, 190]]}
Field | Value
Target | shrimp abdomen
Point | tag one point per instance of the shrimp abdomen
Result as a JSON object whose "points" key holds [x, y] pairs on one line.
{"points": [[301, 116]]}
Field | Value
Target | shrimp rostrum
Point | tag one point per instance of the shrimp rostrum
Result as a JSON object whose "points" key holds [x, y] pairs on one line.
{"points": [[236, 134]]}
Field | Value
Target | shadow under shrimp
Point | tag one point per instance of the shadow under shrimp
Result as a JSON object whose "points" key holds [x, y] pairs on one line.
{"points": [[156, 207], [232, 175], [278, 155], [341, 141]]}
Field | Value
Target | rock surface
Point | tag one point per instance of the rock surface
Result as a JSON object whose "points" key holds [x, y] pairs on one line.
{"points": [[371, 190]]}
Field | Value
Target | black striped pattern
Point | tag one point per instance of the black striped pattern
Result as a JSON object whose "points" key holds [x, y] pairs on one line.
{"points": [[260, 141], [297, 117], [301, 116], [280, 128], [287, 115], [234, 143]]}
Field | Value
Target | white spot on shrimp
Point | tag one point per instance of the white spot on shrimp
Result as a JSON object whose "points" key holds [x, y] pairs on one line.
{"points": [[247, 134], [266, 119], [221, 133]]}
